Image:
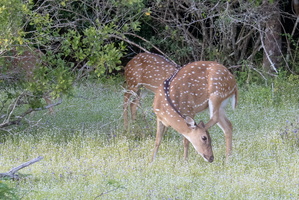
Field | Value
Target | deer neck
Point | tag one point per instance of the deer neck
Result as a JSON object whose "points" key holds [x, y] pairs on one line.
{"points": [[164, 107]]}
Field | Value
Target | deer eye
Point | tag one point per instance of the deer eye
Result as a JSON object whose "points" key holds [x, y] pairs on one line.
{"points": [[204, 138]]}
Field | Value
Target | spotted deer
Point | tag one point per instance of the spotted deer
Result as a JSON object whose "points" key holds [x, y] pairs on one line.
{"points": [[146, 70], [192, 89], [21, 64]]}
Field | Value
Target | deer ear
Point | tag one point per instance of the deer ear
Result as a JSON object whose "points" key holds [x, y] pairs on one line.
{"points": [[201, 124], [190, 122]]}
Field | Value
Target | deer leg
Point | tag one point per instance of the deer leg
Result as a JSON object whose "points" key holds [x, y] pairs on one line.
{"points": [[134, 105], [227, 129], [126, 105], [186, 148], [217, 115], [214, 106], [160, 131]]}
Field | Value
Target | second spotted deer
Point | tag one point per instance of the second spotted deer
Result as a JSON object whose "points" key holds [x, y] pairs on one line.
{"points": [[146, 70], [194, 88]]}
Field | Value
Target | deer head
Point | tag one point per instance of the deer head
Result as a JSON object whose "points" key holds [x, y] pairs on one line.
{"points": [[199, 138]]}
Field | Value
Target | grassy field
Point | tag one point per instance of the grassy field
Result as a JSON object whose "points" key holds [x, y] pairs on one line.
{"points": [[88, 155]]}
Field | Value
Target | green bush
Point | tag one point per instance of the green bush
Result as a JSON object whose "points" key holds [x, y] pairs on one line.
{"points": [[7, 192]]}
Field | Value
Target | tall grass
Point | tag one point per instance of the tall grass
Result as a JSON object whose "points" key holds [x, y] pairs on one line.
{"points": [[88, 155]]}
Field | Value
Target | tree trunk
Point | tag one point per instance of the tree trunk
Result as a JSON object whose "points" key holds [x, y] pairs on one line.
{"points": [[272, 37]]}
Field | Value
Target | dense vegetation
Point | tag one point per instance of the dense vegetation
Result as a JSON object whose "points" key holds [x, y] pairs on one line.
{"points": [[87, 153]]}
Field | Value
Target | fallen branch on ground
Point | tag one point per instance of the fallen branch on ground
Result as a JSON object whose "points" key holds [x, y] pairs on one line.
{"points": [[12, 173]]}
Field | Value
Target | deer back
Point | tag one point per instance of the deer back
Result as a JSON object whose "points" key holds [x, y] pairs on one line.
{"points": [[194, 85], [148, 70]]}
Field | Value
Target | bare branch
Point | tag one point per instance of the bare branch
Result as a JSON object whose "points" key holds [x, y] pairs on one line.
{"points": [[161, 52], [9, 122], [267, 54], [129, 41], [11, 174]]}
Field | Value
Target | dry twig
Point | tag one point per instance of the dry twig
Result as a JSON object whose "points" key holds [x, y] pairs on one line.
{"points": [[12, 173]]}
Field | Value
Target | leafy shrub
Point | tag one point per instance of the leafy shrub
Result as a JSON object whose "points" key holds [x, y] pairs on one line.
{"points": [[7, 192]]}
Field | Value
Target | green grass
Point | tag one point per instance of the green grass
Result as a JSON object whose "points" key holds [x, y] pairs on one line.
{"points": [[88, 155]]}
